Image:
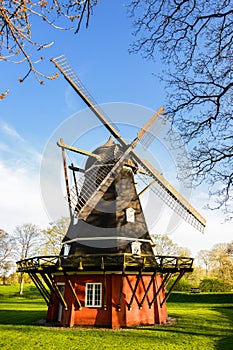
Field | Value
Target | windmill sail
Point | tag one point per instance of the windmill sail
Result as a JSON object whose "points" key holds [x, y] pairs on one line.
{"points": [[161, 186], [72, 78], [170, 196], [102, 175]]}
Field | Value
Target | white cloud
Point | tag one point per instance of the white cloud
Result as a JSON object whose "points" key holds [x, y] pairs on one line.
{"points": [[20, 199], [71, 100], [15, 150], [4, 147], [9, 130]]}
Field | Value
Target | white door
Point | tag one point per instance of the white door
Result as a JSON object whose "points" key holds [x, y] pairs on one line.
{"points": [[60, 307]]}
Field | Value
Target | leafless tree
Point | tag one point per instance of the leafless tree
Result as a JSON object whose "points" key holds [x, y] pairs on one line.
{"points": [[195, 42], [16, 35], [204, 258], [27, 239], [4, 247], [6, 257]]}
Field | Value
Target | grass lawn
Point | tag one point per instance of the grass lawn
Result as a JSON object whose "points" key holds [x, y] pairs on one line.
{"points": [[204, 322]]}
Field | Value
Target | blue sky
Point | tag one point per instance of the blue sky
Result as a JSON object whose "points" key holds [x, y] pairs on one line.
{"points": [[31, 114]]}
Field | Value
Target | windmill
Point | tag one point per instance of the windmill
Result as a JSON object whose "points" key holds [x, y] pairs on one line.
{"points": [[107, 273]]}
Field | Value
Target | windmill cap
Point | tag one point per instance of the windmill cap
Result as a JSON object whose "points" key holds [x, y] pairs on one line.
{"points": [[109, 151]]}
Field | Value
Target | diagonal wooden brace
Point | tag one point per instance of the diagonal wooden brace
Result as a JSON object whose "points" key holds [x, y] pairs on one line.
{"points": [[53, 286], [41, 288], [172, 287], [121, 291], [147, 290], [73, 291], [134, 291], [159, 289], [105, 292]]}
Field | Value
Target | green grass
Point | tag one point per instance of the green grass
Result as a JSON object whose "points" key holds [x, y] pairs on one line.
{"points": [[204, 322]]}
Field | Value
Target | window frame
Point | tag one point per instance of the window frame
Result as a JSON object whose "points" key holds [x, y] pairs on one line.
{"points": [[94, 294], [130, 214], [136, 248]]}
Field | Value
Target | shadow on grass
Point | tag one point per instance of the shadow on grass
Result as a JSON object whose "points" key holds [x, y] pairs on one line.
{"points": [[220, 328], [225, 343], [21, 317], [227, 340], [202, 298]]}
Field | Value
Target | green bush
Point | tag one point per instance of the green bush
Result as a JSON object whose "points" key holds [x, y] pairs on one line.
{"points": [[214, 285], [182, 286]]}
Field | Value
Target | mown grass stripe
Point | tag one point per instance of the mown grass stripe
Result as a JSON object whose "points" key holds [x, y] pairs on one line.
{"points": [[204, 321]]}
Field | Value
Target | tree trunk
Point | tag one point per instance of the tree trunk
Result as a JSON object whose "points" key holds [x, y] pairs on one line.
{"points": [[21, 283], [4, 280]]}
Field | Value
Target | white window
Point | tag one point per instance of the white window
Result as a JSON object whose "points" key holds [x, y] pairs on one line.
{"points": [[66, 249], [130, 215], [136, 248], [93, 296]]}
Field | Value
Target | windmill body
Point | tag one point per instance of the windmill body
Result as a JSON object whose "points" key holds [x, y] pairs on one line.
{"points": [[117, 219], [106, 273]]}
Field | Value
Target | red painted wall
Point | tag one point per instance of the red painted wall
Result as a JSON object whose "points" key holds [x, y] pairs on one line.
{"points": [[111, 317], [136, 316]]}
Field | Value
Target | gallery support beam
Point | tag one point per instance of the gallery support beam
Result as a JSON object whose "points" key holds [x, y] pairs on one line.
{"points": [[181, 274]]}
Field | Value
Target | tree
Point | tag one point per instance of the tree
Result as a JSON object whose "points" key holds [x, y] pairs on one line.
{"points": [[164, 245], [4, 246], [204, 258], [16, 35], [222, 262], [27, 239], [195, 41], [5, 254], [230, 249], [195, 277], [54, 235], [183, 251]]}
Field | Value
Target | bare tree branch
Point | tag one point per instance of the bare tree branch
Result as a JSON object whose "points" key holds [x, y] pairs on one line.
{"points": [[195, 39], [16, 29]]}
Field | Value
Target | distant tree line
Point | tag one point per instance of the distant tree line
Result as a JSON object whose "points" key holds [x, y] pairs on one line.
{"points": [[26, 241], [213, 269]]}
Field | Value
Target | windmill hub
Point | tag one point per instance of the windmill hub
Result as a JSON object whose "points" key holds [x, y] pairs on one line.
{"points": [[108, 154]]}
